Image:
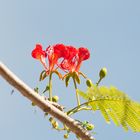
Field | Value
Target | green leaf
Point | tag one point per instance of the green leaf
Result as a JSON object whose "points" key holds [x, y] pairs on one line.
{"points": [[115, 105], [85, 96]]}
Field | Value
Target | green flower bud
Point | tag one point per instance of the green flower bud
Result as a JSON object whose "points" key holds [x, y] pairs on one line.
{"points": [[89, 83], [46, 114], [89, 126], [51, 119], [36, 89], [55, 124], [103, 73], [66, 136], [46, 89], [55, 98], [33, 104]]}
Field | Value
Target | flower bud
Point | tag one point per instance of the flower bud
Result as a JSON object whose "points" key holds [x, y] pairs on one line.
{"points": [[33, 104], [46, 89], [46, 114], [66, 136], [89, 126], [51, 119], [36, 89], [55, 124], [89, 83], [55, 98], [103, 73]]}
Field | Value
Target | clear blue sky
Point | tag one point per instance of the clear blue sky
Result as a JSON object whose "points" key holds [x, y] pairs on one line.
{"points": [[109, 28]]}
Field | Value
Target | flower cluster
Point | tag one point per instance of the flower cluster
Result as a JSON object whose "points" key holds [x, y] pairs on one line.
{"points": [[67, 58]]}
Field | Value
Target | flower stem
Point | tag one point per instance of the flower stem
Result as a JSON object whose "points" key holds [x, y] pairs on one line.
{"points": [[77, 95], [79, 108], [97, 84], [50, 86]]}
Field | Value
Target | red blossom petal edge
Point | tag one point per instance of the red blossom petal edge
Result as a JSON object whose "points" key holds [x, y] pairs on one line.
{"points": [[72, 62]]}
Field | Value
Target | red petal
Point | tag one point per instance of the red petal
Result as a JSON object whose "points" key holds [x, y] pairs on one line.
{"points": [[83, 53], [38, 52], [70, 59], [72, 52], [60, 50]]}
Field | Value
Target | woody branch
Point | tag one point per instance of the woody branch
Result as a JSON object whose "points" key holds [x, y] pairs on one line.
{"points": [[45, 105]]}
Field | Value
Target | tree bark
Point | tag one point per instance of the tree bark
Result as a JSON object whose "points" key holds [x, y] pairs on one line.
{"points": [[43, 104]]}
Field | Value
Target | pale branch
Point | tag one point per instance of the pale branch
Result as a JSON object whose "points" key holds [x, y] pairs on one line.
{"points": [[43, 104]]}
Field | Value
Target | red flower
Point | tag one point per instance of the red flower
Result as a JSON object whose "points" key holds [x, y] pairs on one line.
{"points": [[83, 54], [73, 61], [54, 53], [40, 54], [37, 53], [68, 58], [60, 50]]}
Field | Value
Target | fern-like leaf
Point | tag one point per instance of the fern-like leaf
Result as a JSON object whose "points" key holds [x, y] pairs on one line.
{"points": [[115, 105]]}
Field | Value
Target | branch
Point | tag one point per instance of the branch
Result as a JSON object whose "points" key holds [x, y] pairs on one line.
{"points": [[45, 105]]}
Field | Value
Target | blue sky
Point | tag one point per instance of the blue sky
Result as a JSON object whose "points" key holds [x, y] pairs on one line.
{"points": [[110, 29]]}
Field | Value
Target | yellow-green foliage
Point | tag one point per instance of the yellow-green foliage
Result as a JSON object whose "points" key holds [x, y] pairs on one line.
{"points": [[115, 105]]}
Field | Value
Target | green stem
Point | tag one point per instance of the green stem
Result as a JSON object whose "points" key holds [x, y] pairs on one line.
{"points": [[78, 108], [77, 95], [98, 81], [50, 86]]}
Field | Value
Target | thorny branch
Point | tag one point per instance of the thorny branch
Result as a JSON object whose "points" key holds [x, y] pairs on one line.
{"points": [[45, 105]]}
